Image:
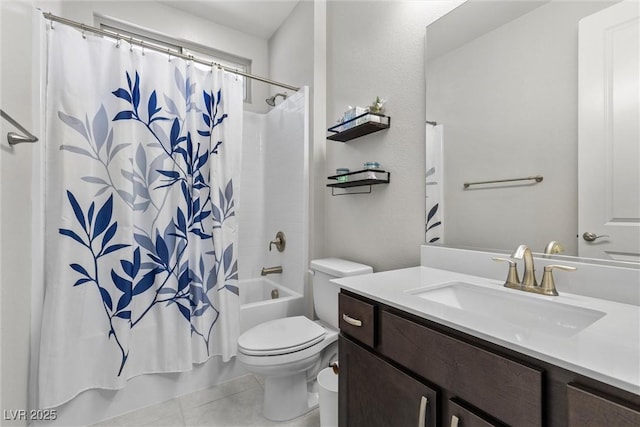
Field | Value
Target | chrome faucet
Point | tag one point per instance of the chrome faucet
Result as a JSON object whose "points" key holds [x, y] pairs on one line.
{"points": [[529, 282], [271, 270]]}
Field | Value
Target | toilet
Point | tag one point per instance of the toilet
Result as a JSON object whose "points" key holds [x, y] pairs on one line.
{"points": [[289, 352]]}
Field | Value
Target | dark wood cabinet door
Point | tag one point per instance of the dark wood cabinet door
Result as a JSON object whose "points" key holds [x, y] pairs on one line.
{"points": [[588, 409], [374, 393], [504, 388]]}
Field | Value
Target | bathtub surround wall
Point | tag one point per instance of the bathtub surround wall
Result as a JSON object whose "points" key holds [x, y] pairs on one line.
{"points": [[286, 188], [252, 238], [297, 55], [275, 176]]}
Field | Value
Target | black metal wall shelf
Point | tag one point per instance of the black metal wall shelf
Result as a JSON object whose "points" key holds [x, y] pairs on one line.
{"points": [[375, 124], [379, 176]]}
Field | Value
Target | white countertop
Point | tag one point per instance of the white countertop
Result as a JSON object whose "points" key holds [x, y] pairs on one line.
{"points": [[608, 350]]}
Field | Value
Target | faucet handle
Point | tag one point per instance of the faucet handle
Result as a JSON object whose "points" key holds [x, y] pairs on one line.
{"points": [[513, 281], [279, 242], [548, 286]]}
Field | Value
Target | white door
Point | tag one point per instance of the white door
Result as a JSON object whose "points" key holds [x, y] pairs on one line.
{"points": [[609, 134]]}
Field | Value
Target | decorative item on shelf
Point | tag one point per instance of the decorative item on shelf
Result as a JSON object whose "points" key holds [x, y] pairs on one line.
{"points": [[371, 167], [359, 178], [341, 177], [354, 116], [378, 106]]}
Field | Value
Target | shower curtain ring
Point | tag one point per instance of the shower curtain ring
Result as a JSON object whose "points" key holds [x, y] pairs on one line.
{"points": [[169, 53], [118, 40], [84, 36], [130, 44], [142, 45]]}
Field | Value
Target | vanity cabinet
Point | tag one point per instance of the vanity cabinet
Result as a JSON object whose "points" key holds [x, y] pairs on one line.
{"points": [[392, 359]]}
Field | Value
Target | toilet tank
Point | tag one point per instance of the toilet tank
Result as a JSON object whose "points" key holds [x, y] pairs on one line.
{"points": [[325, 293]]}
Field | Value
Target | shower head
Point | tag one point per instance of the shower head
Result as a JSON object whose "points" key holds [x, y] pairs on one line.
{"points": [[272, 100]]}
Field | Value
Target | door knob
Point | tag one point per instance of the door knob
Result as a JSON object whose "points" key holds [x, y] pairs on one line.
{"points": [[592, 237]]}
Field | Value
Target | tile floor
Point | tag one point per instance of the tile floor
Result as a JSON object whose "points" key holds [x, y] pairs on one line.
{"points": [[234, 403]]}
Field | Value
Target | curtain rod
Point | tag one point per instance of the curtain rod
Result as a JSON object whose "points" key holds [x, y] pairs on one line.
{"points": [[141, 43]]}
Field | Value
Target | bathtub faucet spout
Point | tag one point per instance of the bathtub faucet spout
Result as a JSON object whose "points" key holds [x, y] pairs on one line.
{"points": [[271, 270]]}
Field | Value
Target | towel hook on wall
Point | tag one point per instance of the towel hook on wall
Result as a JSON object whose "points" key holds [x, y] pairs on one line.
{"points": [[15, 138]]}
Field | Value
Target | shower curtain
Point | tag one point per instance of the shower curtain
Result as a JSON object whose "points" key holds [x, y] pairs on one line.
{"points": [[142, 177], [434, 228]]}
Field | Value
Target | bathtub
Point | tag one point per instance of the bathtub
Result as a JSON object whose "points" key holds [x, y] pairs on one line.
{"points": [[257, 305]]}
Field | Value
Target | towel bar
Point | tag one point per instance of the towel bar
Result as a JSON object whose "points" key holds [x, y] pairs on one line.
{"points": [[15, 138], [530, 178]]}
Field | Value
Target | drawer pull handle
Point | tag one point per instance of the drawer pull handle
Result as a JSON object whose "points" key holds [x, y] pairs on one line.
{"points": [[423, 411], [454, 421], [351, 320]]}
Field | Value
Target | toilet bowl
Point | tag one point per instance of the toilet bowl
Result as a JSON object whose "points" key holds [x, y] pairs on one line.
{"points": [[288, 363], [289, 352]]}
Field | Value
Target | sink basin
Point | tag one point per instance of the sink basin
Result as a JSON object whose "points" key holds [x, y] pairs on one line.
{"points": [[513, 307]]}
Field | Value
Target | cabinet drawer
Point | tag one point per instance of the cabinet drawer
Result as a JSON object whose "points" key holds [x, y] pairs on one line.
{"points": [[501, 387], [357, 319], [458, 414], [586, 409]]}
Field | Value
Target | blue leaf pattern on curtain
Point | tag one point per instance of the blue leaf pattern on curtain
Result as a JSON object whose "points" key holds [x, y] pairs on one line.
{"points": [[179, 285], [143, 220]]}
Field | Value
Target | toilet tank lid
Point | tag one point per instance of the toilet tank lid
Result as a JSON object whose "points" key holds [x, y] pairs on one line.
{"points": [[340, 267]]}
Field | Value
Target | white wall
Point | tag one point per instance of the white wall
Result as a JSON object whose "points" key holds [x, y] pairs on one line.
{"points": [[377, 49], [291, 49], [163, 19], [18, 97], [318, 152], [508, 104]]}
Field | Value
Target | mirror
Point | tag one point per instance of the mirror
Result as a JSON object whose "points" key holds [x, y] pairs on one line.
{"points": [[502, 103]]}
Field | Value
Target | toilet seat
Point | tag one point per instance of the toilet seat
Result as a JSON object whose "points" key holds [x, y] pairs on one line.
{"points": [[281, 336]]}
